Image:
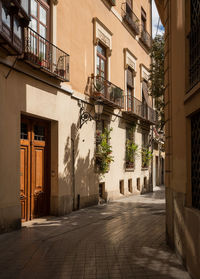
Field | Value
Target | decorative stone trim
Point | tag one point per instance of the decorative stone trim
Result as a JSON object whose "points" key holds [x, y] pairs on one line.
{"points": [[102, 34], [144, 73], [129, 60]]}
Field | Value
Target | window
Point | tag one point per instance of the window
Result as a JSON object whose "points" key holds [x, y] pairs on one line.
{"points": [[195, 157], [129, 2], [145, 98], [138, 184], [143, 19], [6, 17], [100, 127], [145, 182], [145, 139], [131, 148], [121, 187], [129, 8], [130, 186], [17, 29], [25, 5], [39, 13], [146, 154], [130, 89], [11, 26], [194, 43], [101, 61]]}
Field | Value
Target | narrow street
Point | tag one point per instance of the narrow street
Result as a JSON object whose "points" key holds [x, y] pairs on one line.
{"points": [[123, 239]]}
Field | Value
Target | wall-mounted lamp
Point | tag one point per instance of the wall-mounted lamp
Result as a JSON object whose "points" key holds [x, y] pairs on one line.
{"points": [[85, 116]]}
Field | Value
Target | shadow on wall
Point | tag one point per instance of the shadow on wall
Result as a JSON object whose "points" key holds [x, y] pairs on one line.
{"points": [[79, 183]]}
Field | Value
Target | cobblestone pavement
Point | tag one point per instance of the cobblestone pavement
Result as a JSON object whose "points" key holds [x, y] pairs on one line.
{"points": [[123, 239]]}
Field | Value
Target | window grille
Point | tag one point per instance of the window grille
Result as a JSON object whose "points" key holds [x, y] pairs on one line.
{"points": [[195, 156], [194, 39]]}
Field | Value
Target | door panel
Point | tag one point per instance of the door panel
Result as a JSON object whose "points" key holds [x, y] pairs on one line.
{"points": [[23, 181], [38, 181], [34, 185]]}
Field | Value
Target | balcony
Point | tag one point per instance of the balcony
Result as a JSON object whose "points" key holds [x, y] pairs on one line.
{"points": [[106, 91], [130, 18], [194, 42], [42, 54], [13, 19], [140, 110], [146, 39]]}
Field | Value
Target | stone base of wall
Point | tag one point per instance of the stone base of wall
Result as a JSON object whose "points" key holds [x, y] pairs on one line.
{"points": [[87, 201], [61, 206], [64, 205], [10, 218]]}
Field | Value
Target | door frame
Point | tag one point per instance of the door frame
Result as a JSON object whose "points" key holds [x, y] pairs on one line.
{"points": [[31, 121]]}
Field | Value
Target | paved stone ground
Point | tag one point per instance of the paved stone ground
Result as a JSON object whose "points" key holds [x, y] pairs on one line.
{"points": [[123, 239]]}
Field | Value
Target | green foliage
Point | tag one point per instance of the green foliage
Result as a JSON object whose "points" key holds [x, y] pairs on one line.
{"points": [[157, 87], [146, 157], [131, 151], [117, 93], [104, 152]]}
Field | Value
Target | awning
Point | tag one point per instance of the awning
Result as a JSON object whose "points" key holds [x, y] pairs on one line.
{"points": [[145, 93]]}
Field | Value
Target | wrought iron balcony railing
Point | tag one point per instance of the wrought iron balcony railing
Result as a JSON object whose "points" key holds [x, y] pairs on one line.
{"points": [[146, 38], [44, 55], [194, 41], [130, 18], [140, 109], [108, 92]]}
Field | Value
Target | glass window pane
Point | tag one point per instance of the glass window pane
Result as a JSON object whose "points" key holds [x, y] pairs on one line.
{"points": [[43, 15], [24, 131], [101, 50], [5, 17], [102, 65], [39, 133], [42, 51], [33, 24], [24, 4], [42, 31], [97, 62], [17, 29], [33, 42], [34, 8]]}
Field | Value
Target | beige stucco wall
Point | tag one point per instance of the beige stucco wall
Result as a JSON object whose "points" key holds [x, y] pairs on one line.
{"points": [[29, 91]]}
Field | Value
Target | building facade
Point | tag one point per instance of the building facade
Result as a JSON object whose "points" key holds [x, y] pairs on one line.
{"points": [[182, 96], [57, 60]]}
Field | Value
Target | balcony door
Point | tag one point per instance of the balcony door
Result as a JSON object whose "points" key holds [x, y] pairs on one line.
{"points": [[102, 68], [39, 23], [130, 90]]}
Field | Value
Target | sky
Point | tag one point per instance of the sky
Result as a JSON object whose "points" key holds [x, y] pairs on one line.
{"points": [[155, 18]]}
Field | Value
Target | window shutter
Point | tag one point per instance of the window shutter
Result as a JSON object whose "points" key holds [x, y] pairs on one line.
{"points": [[130, 81]]}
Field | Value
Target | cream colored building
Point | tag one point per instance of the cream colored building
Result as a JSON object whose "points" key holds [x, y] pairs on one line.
{"points": [[52, 68], [182, 96]]}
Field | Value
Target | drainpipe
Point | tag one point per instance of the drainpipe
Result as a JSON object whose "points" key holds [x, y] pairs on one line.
{"points": [[73, 175]]}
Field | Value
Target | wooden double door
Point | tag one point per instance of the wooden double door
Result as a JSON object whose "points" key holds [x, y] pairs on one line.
{"points": [[34, 169]]}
